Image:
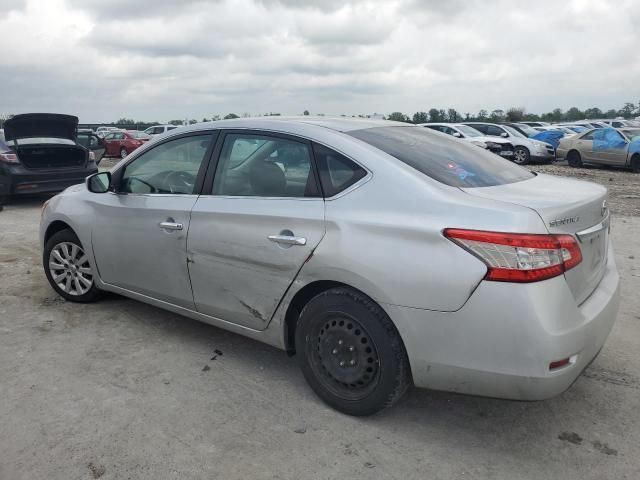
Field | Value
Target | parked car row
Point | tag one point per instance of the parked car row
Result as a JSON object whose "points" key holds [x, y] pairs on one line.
{"points": [[508, 142]]}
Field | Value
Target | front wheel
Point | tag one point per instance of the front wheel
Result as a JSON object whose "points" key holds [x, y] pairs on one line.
{"points": [[67, 268], [521, 156], [123, 152], [635, 163], [351, 353]]}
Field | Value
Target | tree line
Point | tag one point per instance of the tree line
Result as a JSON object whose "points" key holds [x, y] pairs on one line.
{"points": [[515, 114], [450, 115]]}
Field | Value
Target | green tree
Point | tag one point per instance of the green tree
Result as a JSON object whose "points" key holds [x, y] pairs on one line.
{"points": [[453, 115], [230, 115], [126, 121], [574, 113], [434, 115], [175, 122], [594, 112], [611, 113], [305, 113], [205, 119], [627, 110], [497, 115], [398, 117], [420, 117], [483, 115], [557, 115], [515, 114]]}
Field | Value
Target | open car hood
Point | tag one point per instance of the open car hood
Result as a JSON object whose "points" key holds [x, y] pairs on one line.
{"points": [[45, 125]]}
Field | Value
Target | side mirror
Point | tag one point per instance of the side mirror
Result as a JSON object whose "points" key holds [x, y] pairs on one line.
{"points": [[504, 135], [457, 134], [99, 182]]}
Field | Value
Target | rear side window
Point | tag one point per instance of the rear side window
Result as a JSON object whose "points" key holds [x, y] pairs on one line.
{"points": [[444, 159], [337, 172]]}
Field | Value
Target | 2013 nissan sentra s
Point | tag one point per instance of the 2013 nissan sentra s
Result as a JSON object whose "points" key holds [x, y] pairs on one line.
{"points": [[382, 254]]}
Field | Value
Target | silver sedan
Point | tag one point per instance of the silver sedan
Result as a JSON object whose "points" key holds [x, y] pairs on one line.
{"points": [[382, 254]]}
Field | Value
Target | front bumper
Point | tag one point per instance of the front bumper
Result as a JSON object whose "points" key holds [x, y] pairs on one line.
{"points": [[501, 342], [16, 179]]}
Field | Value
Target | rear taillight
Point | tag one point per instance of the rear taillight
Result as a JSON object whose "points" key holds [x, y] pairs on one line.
{"points": [[9, 158], [517, 257], [92, 156]]}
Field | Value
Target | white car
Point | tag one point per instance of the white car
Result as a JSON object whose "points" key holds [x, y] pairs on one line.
{"points": [[526, 149], [499, 146], [159, 129]]}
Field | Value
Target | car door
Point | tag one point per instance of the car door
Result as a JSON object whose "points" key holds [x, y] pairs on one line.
{"points": [[615, 151], [584, 145], [139, 233], [262, 219]]}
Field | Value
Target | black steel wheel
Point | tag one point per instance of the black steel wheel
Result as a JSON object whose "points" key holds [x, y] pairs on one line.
{"points": [[350, 352]]}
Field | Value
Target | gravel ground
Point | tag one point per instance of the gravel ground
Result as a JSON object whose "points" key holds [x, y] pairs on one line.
{"points": [[623, 185], [122, 390]]}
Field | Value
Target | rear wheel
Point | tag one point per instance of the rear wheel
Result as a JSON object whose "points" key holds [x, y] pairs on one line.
{"points": [[67, 268], [574, 159], [635, 163], [351, 353], [123, 152], [521, 156]]}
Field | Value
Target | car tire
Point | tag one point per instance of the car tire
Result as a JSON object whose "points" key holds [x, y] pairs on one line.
{"points": [[123, 152], [350, 352], [68, 269], [521, 155], [635, 163], [574, 159]]}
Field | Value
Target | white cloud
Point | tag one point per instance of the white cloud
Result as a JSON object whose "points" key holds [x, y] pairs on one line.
{"points": [[162, 59]]}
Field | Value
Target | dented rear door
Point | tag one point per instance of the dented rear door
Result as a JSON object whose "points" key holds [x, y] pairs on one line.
{"points": [[239, 274]]}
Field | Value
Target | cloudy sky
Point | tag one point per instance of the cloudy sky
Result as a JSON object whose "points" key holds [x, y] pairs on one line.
{"points": [[164, 59]]}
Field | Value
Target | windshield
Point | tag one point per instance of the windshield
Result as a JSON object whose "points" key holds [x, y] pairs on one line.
{"points": [[454, 163], [632, 134], [141, 135], [468, 131], [514, 132]]}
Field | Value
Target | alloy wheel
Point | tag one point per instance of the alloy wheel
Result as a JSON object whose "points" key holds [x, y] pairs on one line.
{"points": [[520, 156], [70, 269], [123, 153]]}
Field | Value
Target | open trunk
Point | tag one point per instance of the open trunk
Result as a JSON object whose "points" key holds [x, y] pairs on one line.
{"points": [[44, 156], [566, 206]]}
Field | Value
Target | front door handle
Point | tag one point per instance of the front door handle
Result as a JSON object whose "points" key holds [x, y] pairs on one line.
{"points": [[171, 225], [288, 239]]}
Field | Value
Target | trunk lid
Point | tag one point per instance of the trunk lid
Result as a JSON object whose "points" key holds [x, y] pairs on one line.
{"points": [[566, 206], [41, 125]]}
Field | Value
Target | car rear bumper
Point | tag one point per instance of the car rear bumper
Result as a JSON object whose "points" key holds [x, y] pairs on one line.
{"points": [[16, 180], [502, 341]]}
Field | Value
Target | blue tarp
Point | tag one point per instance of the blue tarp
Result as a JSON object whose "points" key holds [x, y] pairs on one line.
{"points": [[634, 146], [607, 139], [550, 136]]}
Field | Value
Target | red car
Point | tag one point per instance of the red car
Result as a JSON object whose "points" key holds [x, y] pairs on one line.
{"points": [[123, 142]]}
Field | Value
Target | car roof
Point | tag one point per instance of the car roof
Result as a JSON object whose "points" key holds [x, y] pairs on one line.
{"points": [[339, 124]]}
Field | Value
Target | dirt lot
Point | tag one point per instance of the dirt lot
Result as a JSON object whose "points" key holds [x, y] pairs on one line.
{"points": [[624, 186], [120, 390]]}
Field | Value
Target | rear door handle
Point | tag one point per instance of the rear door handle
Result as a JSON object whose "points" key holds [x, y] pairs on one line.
{"points": [[171, 225], [288, 239]]}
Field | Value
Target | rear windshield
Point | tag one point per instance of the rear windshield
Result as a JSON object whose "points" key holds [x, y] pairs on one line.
{"points": [[136, 134], [444, 159]]}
